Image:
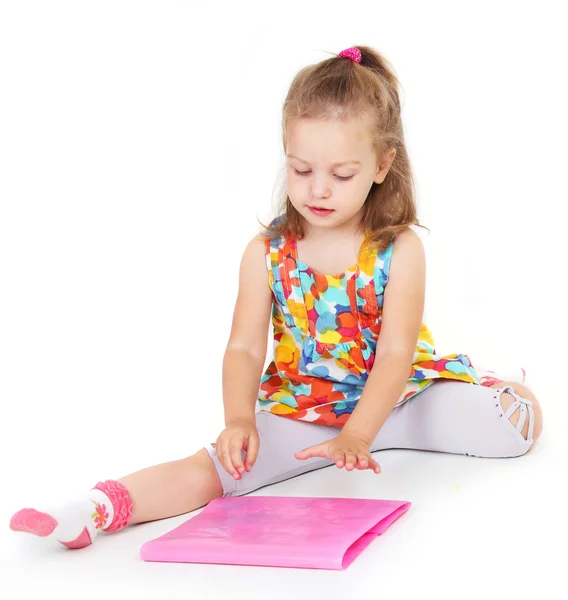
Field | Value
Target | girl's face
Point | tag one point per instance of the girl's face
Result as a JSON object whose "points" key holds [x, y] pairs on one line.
{"points": [[331, 166]]}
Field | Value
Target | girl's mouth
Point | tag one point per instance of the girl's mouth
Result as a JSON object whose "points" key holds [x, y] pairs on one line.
{"points": [[321, 212]]}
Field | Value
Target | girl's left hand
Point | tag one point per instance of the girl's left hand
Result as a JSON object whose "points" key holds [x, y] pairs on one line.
{"points": [[344, 450]]}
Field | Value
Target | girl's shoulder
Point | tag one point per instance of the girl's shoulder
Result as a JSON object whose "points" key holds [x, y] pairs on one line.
{"points": [[408, 237], [404, 238], [254, 255], [403, 246], [407, 247]]}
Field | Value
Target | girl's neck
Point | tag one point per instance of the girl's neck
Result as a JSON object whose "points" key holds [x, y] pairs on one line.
{"points": [[325, 234], [330, 251]]}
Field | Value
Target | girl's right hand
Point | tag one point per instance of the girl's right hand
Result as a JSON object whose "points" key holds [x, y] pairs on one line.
{"points": [[238, 435]]}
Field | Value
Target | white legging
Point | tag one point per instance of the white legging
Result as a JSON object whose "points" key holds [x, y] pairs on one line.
{"points": [[449, 416]]}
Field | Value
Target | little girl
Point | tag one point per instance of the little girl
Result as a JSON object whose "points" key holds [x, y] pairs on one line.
{"points": [[341, 275]]}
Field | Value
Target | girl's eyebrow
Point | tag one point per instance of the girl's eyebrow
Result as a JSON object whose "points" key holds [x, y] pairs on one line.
{"points": [[336, 164]]}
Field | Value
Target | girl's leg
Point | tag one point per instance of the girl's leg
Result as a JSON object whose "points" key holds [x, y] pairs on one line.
{"points": [[157, 492], [178, 487], [173, 488], [463, 418], [449, 416]]}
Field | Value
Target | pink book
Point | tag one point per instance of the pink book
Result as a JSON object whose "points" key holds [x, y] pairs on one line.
{"points": [[277, 531]]}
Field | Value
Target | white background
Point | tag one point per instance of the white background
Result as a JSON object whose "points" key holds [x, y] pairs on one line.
{"points": [[139, 143]]}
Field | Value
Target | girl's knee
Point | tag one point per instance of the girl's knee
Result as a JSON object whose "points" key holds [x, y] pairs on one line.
{"points": [[527, 408], [519, 415], [506, 401]]}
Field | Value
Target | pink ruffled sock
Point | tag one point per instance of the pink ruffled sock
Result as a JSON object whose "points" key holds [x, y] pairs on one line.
{"points": [[107, 507]]}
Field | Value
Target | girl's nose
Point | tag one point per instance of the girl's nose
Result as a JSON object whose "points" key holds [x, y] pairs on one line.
{"points": [[320, 190]]}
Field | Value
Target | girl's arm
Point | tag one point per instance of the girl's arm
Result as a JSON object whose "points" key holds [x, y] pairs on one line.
{"points": [[245, 353], [403, 309]]}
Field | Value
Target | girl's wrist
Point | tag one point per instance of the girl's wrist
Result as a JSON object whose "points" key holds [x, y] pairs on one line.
{"points": [[241, 418], [353, 433]]}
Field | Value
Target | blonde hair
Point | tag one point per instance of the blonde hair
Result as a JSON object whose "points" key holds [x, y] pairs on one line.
{"points": [[339, 88]]}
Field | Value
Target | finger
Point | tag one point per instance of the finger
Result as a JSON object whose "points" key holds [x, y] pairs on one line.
{"points": [[252, 450], [350, 460], [373, 464], [225, 458], [309, 452], [339, 458], [362, 461], [235, 452]]}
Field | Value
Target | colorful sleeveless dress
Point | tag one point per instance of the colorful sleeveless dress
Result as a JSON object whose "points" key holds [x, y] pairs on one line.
{"points": [[325, 337]]}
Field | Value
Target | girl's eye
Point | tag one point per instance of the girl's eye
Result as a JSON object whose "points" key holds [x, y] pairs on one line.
{"points": [[304, 173]]}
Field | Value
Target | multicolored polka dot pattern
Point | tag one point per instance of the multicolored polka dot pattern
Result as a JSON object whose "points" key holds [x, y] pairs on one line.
{"points": [[326, 329]]}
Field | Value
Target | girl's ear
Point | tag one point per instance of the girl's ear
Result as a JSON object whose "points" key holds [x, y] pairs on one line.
{"points": [[384, 165]]}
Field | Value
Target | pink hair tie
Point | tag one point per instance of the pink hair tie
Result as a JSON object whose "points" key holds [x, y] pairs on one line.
{"points": [[353, 53]]}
